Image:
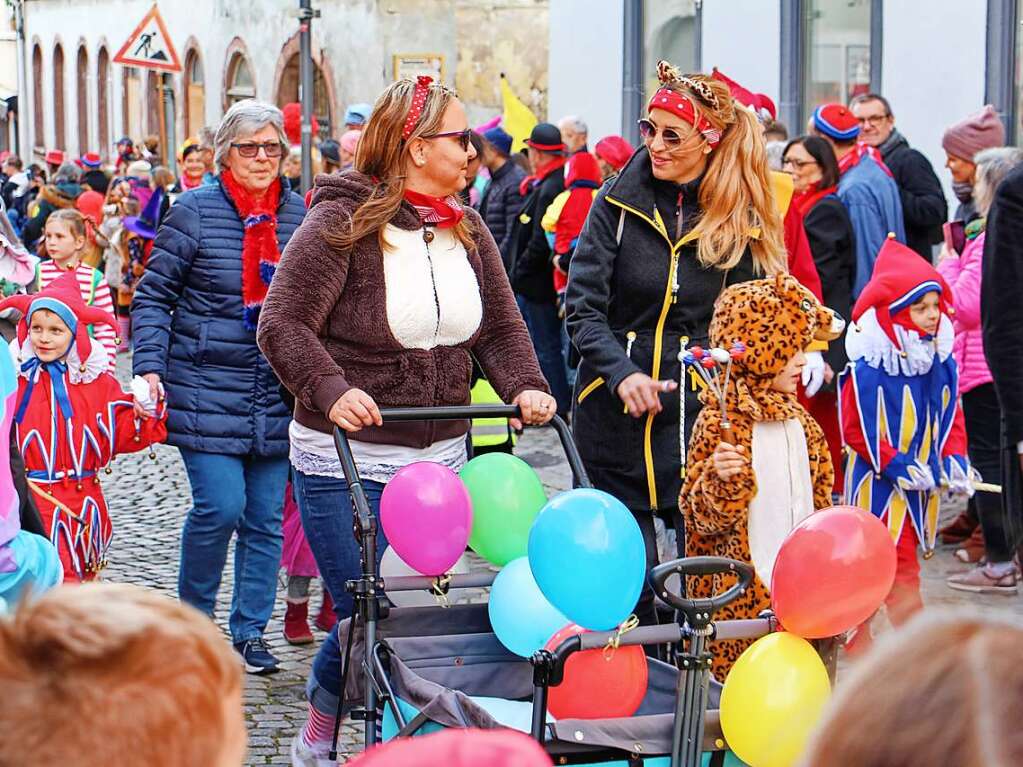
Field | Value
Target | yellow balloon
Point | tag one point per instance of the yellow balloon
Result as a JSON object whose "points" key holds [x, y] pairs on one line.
{"points": [[772, 700]]}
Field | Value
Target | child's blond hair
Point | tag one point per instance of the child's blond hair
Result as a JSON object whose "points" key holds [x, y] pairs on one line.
{"points": [[96, 675]]}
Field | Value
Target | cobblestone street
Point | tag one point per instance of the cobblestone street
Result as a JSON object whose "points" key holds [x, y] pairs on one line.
{"points": [[149, 500]]}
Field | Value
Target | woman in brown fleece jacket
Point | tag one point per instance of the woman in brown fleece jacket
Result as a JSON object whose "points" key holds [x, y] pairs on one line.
{"points": [[381, 299]]}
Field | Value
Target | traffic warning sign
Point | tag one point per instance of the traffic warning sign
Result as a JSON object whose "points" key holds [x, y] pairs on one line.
{"points": [[150, 46]]}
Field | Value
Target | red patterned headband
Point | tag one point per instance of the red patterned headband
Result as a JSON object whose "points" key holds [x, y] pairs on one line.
{"points": [[682, 105], [418, 102]]}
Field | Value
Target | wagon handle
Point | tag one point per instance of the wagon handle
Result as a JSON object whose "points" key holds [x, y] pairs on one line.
{"points": [[446, 413], [698, 612]]}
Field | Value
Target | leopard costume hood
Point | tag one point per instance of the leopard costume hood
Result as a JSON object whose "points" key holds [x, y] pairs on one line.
{"points": [[773, 318]]}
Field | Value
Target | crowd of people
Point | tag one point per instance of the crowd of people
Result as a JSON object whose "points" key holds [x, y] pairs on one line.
{"points": [[568, 281]]}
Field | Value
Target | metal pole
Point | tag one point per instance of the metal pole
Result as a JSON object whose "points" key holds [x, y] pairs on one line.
{"points": [[168, 119], [790, 104], [305, 91], [632, 69], [23, 147]]}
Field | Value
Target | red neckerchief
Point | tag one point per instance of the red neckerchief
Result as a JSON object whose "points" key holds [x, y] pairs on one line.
{"points": [[442, 212], [541, 173], [260, 253], [805, 200], [190, 182], [860, 151]]}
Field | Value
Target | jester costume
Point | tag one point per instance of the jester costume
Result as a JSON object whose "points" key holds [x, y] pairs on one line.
{"points": [[902, 426], [72, 418]]}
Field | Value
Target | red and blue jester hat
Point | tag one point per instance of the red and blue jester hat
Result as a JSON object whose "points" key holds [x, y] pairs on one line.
{"points": [[899, 407]]}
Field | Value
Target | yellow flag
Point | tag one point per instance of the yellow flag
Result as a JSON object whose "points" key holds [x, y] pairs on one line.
{"points": [[516, 118]]}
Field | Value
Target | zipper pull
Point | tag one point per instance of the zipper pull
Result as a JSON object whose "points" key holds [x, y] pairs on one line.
{"points": [[630, 339], [674, 279]]}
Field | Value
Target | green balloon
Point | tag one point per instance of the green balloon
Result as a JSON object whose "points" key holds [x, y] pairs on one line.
{"points": [[506, 497]]}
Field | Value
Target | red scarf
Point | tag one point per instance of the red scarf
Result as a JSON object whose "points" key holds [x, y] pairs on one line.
{"points": [[441, 212], [190, 182], [260, 253], [852, 159], [541, 173], [805, 200]]}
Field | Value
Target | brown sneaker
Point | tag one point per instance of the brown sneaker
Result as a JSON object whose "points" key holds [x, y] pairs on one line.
{"points": [[980, 580], [972, 549], [959, 529]]}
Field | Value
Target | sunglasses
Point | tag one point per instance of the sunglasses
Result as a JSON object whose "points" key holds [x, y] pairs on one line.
{"points": [[463, 137], [672, 138], [271, 149]]}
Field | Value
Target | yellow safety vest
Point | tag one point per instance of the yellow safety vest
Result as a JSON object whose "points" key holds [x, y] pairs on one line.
{"points": [[487, 432]]}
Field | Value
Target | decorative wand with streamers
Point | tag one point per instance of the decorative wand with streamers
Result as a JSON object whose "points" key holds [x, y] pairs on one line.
{"points": [[714, 366]]}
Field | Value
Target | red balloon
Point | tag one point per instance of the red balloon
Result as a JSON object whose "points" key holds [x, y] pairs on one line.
{"points": [[832, 572], [595, 687]]}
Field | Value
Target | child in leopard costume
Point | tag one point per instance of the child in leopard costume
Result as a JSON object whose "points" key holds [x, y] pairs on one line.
{"points": [[741, 500]]}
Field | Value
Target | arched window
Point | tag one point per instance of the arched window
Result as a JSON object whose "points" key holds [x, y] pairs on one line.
{"points": [[131, 92], [240, 82], [38, 130], [83, 100], [59, 140], [153, 115], [195, 94], [289, 90], [103, 100]]}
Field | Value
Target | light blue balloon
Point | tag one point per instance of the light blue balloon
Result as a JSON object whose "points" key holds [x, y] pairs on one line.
{"points": [[521, 616], [587, 554]]}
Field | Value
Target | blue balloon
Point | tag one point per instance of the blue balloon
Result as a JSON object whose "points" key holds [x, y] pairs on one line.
{"points": [[587, 554], [521, 616]]}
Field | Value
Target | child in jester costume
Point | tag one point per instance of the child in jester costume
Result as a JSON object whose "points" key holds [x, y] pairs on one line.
{"points": [[902, 425], [72, 418]]}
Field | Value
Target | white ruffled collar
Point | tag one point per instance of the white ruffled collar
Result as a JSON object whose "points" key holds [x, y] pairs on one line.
{"points": [[867, 341], [97, 363]]}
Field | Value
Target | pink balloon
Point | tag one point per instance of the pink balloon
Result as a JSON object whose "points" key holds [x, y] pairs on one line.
{"points": [[427, 516]]}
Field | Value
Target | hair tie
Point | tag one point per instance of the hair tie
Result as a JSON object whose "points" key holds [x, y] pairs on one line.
{"points": [[422, 90]]}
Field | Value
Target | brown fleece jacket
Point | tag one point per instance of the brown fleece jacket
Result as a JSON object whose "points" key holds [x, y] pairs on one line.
{"points": [[324, 326]]}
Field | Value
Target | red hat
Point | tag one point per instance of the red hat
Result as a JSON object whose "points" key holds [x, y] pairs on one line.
{"points": [[89, 160], [837, 122], [458, 748], [90, 205], [293, 123], [758, 102], [54, 157], [582, 166], [900, 277], [63, 297], [614, 150]]}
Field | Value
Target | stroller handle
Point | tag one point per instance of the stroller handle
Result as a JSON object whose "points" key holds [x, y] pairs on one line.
{"points": [[698, 612], [450, 413]]}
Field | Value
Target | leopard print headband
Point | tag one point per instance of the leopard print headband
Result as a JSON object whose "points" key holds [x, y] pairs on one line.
{"points": [[668, 74]]}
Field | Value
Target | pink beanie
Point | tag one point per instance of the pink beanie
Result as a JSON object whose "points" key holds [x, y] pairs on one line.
{"points": [[983, 130], [350, 140]]}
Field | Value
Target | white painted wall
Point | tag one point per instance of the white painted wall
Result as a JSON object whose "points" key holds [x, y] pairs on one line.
{"points": [[585, 75], [742, 38], [933, 71]]}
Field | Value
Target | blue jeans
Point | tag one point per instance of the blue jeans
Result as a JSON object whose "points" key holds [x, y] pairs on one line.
{"points": [[545, 329], [327, 519], [233, 493]]}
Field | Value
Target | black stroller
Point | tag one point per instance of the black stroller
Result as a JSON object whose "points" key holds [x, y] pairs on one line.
{"points": [[420, 669]]}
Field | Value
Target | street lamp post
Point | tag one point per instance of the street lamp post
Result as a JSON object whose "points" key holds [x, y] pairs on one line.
{"points": [[306, 14]]}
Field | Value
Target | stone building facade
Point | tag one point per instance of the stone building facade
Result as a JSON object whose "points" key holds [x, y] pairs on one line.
{"points": [[76, 99]]}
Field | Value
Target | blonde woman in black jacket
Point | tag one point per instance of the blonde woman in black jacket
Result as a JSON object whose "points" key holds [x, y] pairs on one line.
{"points": [[689, 214]]}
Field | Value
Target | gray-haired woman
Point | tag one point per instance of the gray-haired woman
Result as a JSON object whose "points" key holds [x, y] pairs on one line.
{"points": [[194, 319]]}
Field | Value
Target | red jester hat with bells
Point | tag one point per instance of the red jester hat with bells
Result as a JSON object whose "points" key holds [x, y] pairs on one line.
{"points": [[63, 297], [900, 277]]}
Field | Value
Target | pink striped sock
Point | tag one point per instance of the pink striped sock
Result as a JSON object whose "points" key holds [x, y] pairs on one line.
{"points": [[319, 728]]}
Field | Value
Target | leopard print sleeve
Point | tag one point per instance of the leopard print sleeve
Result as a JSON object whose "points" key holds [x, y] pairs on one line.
{"points": [[710, 505]]}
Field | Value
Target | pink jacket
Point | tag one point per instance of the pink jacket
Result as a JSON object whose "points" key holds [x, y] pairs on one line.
{"points": [[963, 276]]}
